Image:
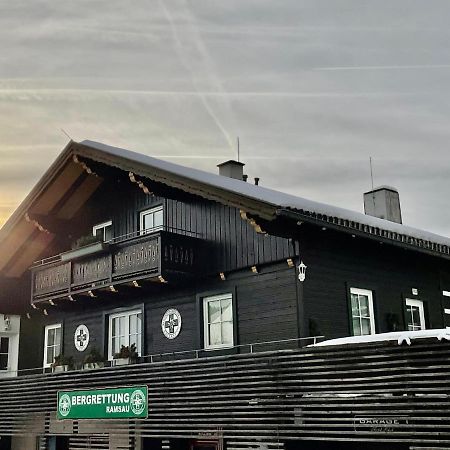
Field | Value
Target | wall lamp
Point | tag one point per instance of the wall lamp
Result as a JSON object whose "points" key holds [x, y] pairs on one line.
{"points": [[302, 271]]}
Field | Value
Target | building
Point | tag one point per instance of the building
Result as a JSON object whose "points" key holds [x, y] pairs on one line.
{"points": [[197, 292]]}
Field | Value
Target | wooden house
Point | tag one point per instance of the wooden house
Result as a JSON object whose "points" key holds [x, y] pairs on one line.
{"points": [[186, 295]]}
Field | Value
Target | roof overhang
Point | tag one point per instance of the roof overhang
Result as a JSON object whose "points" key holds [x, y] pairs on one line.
{"points": [[69, 183]]}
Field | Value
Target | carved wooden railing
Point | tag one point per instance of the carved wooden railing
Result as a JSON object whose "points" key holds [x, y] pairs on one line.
{"points": [[157, 255]]}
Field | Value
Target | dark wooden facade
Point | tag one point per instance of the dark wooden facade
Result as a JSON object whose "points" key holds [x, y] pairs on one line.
{"points": [[338, 261], [269, 298]]}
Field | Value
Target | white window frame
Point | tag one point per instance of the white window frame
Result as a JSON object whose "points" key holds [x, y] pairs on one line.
{"points": [[369, 294], [46, 330], [142, 215], [418, 304], [206, 300], [100, 226], [127, 314]]}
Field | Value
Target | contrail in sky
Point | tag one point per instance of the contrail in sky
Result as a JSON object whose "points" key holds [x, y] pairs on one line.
{"points": [[38, 94], [400, 67], [187, 65]]}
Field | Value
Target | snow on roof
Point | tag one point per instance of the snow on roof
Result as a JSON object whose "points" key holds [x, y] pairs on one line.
{"points": [[400, 336], [275, 198], [383, 186]]}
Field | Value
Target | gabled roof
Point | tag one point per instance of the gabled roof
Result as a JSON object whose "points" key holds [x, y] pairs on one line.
{"points": [[69, 182]]}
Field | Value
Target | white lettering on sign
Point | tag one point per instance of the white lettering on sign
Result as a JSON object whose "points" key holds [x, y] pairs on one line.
{"points": [[381, 424], [100, 399], [117, 409]]}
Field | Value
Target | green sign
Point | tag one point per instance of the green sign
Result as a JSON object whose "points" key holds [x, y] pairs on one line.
{"points": [[120, 403]]}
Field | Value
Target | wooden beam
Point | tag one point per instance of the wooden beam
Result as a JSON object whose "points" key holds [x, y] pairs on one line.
{"points": [[29, 253], [57, 189], [79, 197], [14, 241]]}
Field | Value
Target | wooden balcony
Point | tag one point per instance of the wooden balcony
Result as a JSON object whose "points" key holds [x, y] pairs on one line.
{"points": [[160, 256]]}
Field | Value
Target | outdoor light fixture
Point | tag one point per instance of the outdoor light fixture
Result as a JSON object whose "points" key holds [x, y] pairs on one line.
{"points": [[222, 276], [71, 298], [91, 294], [113, 289], [7, 322], [290, 263], [33, 306], [254, 269], [28, 316], [51, 302], [45, 312], [302, 271], [136, 284], [161, 279]]}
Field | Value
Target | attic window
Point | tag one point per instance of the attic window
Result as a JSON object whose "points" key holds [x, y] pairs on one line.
{"points": [[103, 230], [151, 220]]}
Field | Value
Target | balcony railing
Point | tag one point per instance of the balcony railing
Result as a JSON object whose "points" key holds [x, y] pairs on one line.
{"points": [[242, 349], [158, 255]]}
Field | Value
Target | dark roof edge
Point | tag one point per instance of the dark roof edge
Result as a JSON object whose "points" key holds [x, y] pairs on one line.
{"points": [[363, 230], [188, 184]]}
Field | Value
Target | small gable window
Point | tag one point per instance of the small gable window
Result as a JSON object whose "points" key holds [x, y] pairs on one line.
{"points": [[103, 230], [151, 220]]}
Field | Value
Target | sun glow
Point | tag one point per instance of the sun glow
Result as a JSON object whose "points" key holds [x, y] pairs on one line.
{"points": [[6, 209]]}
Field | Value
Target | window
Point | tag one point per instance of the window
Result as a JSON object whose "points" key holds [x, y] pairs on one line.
{"points": [[415, 316], [4, 353], [363, 321], [151, 220], [125, 329], [103, 231], [218, 321], [52, 344]]}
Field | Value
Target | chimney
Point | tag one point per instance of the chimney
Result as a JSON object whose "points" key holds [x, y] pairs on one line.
{"points": [[383, 202], [232, 169]]}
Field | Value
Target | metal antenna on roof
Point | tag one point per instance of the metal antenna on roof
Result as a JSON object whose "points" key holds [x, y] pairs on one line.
{"points": [[66, 134], [371, 177], [238, 150]]}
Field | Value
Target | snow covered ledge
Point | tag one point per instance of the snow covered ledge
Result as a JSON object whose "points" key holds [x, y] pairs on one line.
{"points": [[402, 337]]}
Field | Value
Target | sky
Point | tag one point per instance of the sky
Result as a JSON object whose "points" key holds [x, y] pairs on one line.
{"points": [[312, 88]]}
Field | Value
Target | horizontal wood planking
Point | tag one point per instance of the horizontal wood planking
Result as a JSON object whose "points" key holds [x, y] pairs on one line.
{"points": [[308, 394]]}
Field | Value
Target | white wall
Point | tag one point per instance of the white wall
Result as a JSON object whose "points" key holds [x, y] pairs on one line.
{"points": [[11, 331]]}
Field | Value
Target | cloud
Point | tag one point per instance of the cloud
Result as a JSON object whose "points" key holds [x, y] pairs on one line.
{"points": [[312, 89]]}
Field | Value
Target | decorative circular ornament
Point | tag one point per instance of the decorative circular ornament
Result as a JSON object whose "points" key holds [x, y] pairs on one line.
{"points": [[81, 338], [171, 323], [137, 402], [64, 405]]}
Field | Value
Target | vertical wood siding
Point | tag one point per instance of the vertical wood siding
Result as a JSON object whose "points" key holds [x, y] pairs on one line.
{"points": [[336, 262]]}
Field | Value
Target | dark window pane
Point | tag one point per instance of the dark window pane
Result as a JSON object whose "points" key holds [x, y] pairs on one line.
{"points": [[3, 362], [4, 345], [108, 233]]}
